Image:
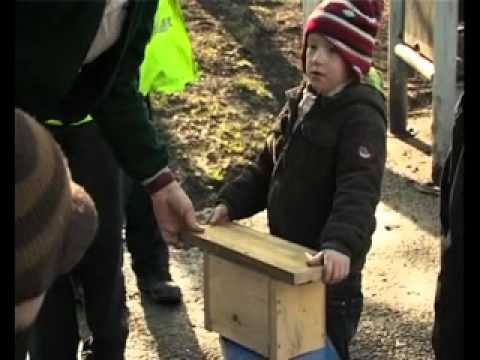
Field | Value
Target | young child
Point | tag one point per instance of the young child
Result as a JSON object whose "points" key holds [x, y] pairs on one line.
{"points": [[320, 172]]}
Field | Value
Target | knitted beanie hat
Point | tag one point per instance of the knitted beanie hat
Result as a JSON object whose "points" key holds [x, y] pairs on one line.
{"points": [[55, 219], [350, 26]]}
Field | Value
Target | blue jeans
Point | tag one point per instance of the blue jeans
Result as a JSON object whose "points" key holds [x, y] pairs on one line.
{"points": [[234, 351], [343, 316]]}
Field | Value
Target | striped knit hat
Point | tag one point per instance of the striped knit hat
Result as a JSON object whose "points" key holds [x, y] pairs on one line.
{"points": [[55, 219], [350, 26]]}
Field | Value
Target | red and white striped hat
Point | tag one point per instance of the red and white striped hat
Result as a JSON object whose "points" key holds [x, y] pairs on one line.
{"points": [[350, 26]]}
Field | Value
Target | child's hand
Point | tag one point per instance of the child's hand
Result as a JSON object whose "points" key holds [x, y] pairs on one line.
{"points": [[336, 265], [219, 216]]}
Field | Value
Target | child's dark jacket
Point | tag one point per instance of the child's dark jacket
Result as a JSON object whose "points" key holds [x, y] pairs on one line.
{"points": [[320, 183]]}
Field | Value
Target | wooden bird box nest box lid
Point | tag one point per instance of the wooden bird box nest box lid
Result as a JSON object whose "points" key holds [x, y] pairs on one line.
{"points": [[260, 293]]}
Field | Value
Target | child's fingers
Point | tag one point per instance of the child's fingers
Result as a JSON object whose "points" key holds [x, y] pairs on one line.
{"points": [[220, 215], [341, 272], [315, 260], [346, 271], [204, 215], [336, 273], [216, 217], [327, 270]]}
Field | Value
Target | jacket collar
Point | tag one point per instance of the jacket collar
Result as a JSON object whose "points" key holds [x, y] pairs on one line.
{"points": [[351, 94]]}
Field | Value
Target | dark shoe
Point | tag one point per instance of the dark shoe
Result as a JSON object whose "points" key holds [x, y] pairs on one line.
{"points": [[161, 292]]}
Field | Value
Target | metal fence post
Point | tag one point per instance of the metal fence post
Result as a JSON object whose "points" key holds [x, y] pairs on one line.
{"points": [[444, 81], [397, 72]]}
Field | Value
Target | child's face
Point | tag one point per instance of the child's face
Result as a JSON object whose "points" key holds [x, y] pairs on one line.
{"points": [[324, 67]]}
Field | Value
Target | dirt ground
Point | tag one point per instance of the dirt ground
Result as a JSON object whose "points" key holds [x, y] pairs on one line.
{"points": [[248, 55]]}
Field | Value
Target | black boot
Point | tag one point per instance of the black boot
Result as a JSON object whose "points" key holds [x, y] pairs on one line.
{"points": [[164, 292]]}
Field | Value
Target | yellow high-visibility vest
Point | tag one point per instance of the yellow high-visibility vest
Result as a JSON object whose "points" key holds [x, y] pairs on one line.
{"points": [[55, 122]]}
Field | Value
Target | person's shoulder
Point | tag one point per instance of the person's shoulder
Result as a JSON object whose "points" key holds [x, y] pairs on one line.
{"points": [[361, 110], [360, 92], [361, 98]]}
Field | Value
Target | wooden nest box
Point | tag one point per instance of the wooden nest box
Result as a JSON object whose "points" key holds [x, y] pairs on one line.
{"points": [[260, 293]]}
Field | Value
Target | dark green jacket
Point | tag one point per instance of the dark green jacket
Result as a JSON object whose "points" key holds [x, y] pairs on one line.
{"points": [[320, 183], [52, 39]]}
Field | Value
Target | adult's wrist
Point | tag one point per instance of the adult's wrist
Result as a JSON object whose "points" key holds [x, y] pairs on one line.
{"points": [[160, 181]]}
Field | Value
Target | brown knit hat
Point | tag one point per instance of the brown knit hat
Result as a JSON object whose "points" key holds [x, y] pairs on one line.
{"points": [[55, 219]]}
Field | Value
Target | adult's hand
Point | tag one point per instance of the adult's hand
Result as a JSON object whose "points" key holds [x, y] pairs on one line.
{"points": [[174, 213]]}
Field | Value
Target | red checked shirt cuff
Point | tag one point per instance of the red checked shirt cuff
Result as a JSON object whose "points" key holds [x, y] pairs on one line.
{"points": [[158, 182]]}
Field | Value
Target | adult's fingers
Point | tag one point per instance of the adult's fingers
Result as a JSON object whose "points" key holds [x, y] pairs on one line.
{"points": [[191, 221], [171, 238]]}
